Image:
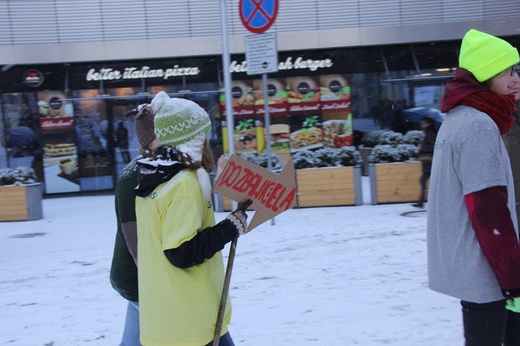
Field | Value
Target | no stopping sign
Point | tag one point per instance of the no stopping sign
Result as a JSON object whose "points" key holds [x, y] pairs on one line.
{"points": [[257, 16]]}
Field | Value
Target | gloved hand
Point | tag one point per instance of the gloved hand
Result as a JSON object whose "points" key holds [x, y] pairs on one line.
{"points": [[239, 217], [513, 304]]}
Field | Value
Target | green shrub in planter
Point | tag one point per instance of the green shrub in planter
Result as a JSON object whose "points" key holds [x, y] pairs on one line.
{"points": [[373, 138], [305, 159], [389, 153], [349, 156], [414, 137], [261, 160], [327, 157], [17, 176]]}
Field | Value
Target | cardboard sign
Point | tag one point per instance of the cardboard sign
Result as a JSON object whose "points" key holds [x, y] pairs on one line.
{"points": [[271, 193]]}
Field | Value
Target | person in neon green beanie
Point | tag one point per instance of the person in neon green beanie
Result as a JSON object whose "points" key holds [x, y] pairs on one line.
{"points": [[485, 55], [472, 235]]}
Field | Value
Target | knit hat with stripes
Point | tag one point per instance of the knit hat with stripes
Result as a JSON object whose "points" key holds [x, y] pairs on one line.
{"points": [[181, 124]]}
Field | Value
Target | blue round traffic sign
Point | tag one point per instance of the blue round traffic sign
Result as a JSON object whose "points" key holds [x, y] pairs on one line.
{"points": [[258, 15]]}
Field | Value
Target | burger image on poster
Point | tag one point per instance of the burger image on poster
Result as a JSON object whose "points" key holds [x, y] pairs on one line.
{"points": [[303, 89], [56, 107], [240, 91], [332, 87], [276, 91], [50, 104], [279, 138]]}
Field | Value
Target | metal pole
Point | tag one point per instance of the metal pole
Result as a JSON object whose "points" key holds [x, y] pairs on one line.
{"points": [[231, 148], [267, 120], [226, 62]]}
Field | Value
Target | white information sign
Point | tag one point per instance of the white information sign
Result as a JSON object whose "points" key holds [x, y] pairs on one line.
{"points": [[261, 53]]}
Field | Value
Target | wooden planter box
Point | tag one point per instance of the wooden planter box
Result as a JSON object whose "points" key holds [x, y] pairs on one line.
{"points": [[330, 186], [395, 182], [21, 203]]}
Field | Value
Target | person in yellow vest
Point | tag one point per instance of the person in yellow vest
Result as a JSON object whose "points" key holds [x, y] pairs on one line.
{"points": [[181, 271]]}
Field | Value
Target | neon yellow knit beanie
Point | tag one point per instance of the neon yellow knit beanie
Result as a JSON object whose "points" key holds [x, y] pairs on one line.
{"points": [[485, 55]]}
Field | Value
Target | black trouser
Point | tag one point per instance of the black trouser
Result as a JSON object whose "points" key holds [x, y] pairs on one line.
{"points": [[426, 170], [490, 324]]}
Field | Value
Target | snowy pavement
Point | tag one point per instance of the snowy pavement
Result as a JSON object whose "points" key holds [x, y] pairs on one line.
{"points": [[319, 276]]}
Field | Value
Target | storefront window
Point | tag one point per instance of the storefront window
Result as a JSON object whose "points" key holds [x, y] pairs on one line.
{"points": [[21, 132], [95, 145]]}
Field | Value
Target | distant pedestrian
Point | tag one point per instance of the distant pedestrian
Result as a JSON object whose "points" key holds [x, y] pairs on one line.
{"points": [[472, 235], [122, 141], [426, 156]]}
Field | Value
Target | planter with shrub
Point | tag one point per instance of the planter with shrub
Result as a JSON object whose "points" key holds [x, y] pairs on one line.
{"points": [[394, 173], [328, 177], [385, 137], [20, 195]]}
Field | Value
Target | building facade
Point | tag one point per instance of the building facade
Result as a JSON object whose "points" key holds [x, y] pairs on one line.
{"points": [[71, 70]]}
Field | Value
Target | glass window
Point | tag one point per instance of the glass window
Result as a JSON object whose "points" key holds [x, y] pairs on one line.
{"points": [[21, 136]]}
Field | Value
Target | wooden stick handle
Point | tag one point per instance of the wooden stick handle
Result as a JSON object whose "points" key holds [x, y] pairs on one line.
{"points": [[225, 291]]}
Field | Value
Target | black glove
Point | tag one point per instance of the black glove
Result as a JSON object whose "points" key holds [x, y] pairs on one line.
{"points": [[239, 217], [239, 220]]}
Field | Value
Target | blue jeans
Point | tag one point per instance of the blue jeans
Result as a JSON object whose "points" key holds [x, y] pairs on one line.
{"points": [[225, 340], [131, 331]]}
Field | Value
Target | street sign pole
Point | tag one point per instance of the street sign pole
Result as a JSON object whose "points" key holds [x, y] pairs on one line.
{"points": [[231, 147], [230, 121], [257, 17], [267, 120]]}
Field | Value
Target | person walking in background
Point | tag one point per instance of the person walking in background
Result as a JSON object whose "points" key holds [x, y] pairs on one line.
{"points": [[512, 140], [181, 270], [123, 272], [122, 141], [472, 240], [426, 156]]}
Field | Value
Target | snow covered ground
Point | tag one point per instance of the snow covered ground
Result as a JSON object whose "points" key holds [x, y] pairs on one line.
{"points": [[319, 276]]}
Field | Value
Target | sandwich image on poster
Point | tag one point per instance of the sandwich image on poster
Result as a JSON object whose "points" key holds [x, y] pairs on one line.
{"points": [[245, 136], [306, 132]]}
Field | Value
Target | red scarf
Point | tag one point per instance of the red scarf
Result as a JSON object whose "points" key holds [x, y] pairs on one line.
{"points": [[464, 89], [500, 108]]}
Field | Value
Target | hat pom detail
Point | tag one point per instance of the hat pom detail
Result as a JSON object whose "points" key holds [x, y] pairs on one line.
{"points": [[160, 100]]}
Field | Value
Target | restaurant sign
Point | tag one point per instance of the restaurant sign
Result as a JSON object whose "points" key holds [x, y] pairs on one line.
{"points": [[299, 63], [143, 72]]}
